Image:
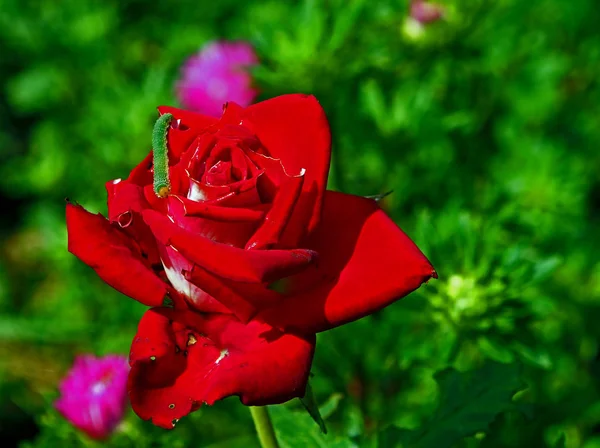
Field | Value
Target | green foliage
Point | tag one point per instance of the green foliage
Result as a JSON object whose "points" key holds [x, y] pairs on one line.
{"points": [[468, 403], [484, 125], [296, 429], [310, 404], [238, 431]]}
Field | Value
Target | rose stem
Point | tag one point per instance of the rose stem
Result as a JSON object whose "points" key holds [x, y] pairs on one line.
{"points": [[264, 427]]}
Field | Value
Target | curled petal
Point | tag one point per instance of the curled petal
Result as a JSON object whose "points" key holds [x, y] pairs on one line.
{"points": [[141, 174], [199, 191], [212, 285], [276, 220], [225, 261], [159, 385], [182, 359], [176, 266], [124, 197], [365, 263], [106, 249], [126, 201], [243, 299], [234, 233], [245, 192], [294, 128], [219, 213], [184, 128], [154, 338]]}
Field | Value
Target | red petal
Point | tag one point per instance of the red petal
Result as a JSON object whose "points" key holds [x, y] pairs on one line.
{"points": [[180, 359], [235, 264], [175, 266], [154, 337], [231, 113], [234, 233], [276, 220], [274, 172], [141, 174], [104, 248], [192, 159], [220, 290], [365, 263], [158, 383], [243, 299], [264, 366], [184, 128], [294, 128], [125, 204], [218, 213], [155, 202], [199, 191], [124, 197], [180, 181]]}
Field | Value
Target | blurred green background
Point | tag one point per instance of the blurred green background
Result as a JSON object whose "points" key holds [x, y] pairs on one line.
{"points": [[486, 125]]}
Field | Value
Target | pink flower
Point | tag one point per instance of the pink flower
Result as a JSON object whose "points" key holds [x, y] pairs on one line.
{"points": [[94, 394], [216, 75], [424, 12]]}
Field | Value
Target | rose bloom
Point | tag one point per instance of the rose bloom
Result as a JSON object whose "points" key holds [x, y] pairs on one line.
{"points": [[252, 252], [425, 12], [94, 394], [218, 73]]}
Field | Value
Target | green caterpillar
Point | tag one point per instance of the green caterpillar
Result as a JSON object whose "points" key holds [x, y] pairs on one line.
{"points": [[160, 156]]}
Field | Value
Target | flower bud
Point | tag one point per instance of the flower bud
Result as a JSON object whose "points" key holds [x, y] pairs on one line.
{"points": [[425, 12], [94, 394], [216, 75]]}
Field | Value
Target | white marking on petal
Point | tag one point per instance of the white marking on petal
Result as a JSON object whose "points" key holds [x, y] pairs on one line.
{"points": [[181, 285], [195, 193], [96, 417], [116, 181], [98, 388], [223, 354]]}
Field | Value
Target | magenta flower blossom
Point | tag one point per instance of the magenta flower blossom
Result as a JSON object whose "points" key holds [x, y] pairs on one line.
{"points": [[217, 74], [424, 12], [94, 394]]}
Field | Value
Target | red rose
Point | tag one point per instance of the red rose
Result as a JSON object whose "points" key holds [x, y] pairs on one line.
{"points": [[248, 206]]}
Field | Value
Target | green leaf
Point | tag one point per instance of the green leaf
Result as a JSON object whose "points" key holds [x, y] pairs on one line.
{"points": [[345, 20], [297, 430], [561, 442], [331, 405], [468, 403], [494, 350], [237, 442], [310, 404], [373, 100]]}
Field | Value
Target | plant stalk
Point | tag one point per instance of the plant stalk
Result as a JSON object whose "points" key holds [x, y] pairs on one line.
{"points": [[264, 427]]}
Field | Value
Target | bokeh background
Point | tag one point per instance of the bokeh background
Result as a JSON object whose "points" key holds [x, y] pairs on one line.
{"points": [[486, 126]]}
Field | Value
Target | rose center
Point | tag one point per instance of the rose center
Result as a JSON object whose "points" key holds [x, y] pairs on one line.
{"points": [[100, 386], [223, 166], [220, 173]]}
